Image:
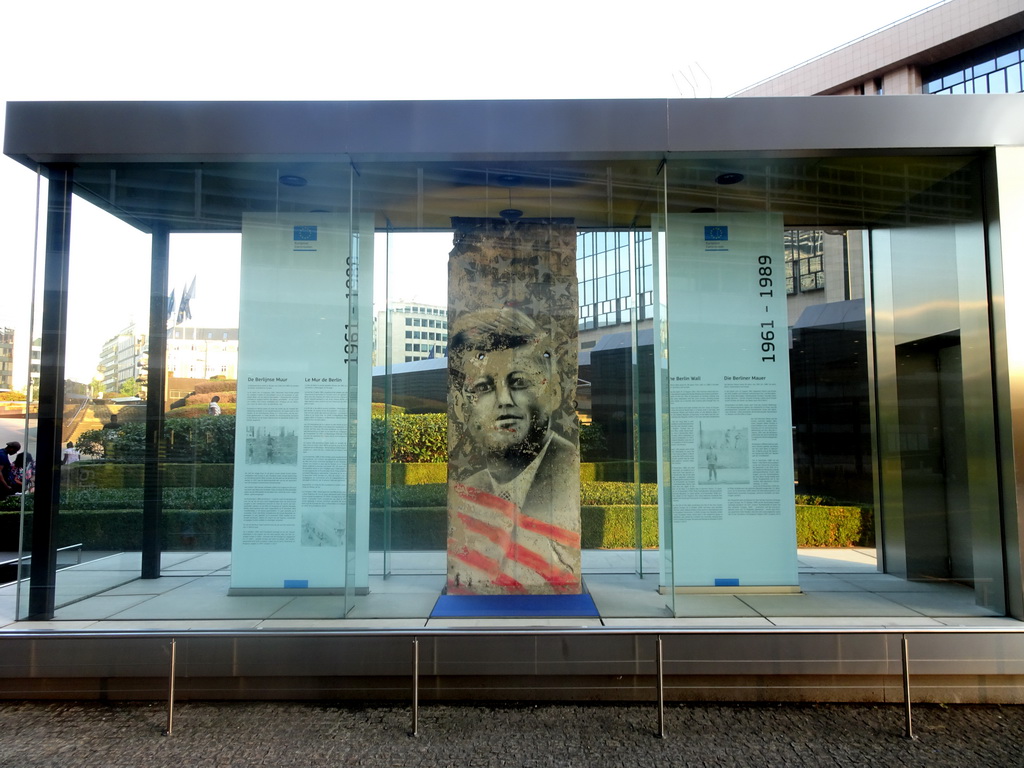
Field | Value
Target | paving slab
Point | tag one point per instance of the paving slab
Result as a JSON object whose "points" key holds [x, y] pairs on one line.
{"points": [[285, 735]]}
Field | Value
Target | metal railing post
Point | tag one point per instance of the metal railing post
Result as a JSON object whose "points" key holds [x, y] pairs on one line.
{"points": [[908, 725], [170, 689], [415, 686], [661, 688]]}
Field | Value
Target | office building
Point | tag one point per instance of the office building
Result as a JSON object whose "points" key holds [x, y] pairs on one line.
{"points": [[6, 358], [412, 331], [122, 358], [959, 46], [201, 353]]}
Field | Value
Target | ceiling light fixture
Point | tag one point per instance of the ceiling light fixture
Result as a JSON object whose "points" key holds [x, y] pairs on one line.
{"points": [[510, 213], [729, 178]]}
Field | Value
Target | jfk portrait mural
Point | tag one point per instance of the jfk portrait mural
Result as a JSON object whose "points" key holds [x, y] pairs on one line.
{"points": [[513, 488]]}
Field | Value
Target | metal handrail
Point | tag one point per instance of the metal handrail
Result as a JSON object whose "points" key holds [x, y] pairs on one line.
{"points": [[28, 558], [415, 635]]}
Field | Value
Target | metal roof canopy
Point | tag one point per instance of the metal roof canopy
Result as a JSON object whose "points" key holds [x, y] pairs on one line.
{"points": [[199, 165]]}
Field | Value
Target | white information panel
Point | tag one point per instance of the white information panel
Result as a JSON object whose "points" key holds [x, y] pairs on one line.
{"points": [[730, 428], [297, 344]]}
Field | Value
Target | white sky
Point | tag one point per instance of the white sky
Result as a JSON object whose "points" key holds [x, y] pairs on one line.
{"points": [[228, 50]]}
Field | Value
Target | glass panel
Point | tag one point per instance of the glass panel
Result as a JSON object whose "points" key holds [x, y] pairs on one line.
{"points": [[200, 400], [984, 68], [833, 454], [931, 333], [410, 415], [100, 523], [388, 524], [1013, 84], [667, 531], [20, 353], [1007, 59]]}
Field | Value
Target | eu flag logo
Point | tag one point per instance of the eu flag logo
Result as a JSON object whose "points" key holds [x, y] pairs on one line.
{"points": [[716, 233], [305, 233]]}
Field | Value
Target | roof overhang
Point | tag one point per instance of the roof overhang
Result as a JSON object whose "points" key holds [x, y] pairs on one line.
{"points": [[200, 166], [88, 132]]}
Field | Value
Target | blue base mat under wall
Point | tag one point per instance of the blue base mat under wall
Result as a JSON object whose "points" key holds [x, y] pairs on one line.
{"points": [[514, 606]]}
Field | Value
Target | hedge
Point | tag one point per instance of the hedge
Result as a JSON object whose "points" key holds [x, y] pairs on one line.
{"points": [[423, 437], [200, 410], [412, 473], [101, 474], [617, 471], [201, 519], [216, 387], [204, 439], [420, 437], [104, 474], [824, 526], [191, 433], [86, 499], [120, 530], [409, 474], [591, 494]]}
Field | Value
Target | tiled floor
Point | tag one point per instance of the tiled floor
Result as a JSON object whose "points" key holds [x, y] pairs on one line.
{"points": [[839, 588]]}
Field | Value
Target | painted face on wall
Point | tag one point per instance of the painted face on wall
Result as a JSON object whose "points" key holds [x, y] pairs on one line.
{"points": [[510, 396]]}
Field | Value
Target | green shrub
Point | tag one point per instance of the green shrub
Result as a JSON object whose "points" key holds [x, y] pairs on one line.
{"points": [[121, 529], [617, 471], [614, 526], [103, 474], [199, 410], [102, 512], [425, 528], [610, 494], [216, 386], [823, 526], [91, 499], [377, 410], [421, 437], [593, 443], [436, 494], [419, 474], [409, 474], [201, 438], [415, 438], [411, 529], [425, 495], [815, 500], [378, 440]]}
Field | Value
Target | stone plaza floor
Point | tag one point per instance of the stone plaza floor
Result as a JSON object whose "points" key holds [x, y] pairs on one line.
{"points": [[287, 735]]}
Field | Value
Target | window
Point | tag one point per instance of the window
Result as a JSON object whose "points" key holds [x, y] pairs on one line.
{"points": [[804, 254], [993, 68]]}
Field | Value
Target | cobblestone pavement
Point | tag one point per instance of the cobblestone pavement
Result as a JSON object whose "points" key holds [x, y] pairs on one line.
{"points": [[465, 736]]}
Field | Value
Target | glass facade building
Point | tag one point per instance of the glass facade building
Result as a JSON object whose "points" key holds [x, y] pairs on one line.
{"points": [[735, 408]]}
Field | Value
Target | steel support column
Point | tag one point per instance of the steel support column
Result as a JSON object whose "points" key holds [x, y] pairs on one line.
{"points": [[43, 570], [156, 379]]}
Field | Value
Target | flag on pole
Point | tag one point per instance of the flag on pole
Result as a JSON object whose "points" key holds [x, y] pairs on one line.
{"points": [[184, 309]]}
